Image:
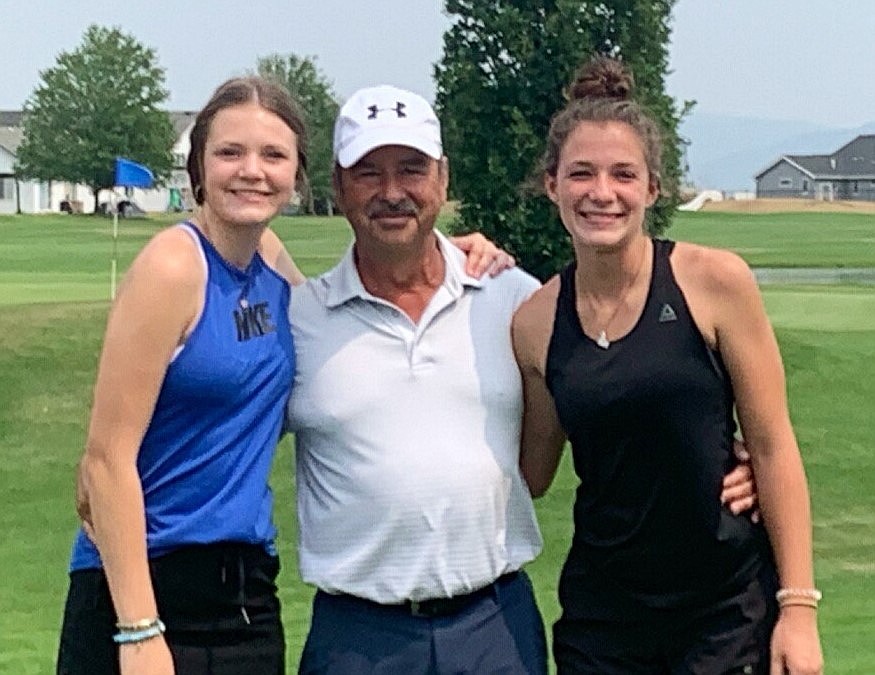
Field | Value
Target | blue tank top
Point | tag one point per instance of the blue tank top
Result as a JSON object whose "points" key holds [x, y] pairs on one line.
{"points": [[650, 421], [205, 458]]}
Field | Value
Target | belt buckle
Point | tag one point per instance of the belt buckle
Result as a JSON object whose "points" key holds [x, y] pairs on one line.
{"points": [[436, 607], [431, 608]]}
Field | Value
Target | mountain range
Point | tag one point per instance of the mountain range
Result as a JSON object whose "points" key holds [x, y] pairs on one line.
{"points": [[726, 152]]}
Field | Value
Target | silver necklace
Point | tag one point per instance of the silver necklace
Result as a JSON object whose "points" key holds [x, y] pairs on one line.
{"points": [[602, 340]]}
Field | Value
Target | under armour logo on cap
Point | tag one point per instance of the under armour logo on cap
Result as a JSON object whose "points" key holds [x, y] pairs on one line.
{"points": [[378, 116], [667, 314], [399, 110]]}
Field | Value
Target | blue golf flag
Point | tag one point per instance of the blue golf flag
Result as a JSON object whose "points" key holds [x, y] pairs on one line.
{"points": [[130, 174]]}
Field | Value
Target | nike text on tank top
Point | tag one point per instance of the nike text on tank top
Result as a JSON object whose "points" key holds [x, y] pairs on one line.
{"points": [[206, 455], [650, 420]]}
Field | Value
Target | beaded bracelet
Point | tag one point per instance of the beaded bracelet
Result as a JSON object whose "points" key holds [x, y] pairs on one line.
{"points": [[798, 602], [137, 625], [798, 597], [809, 593], [154, 629]]}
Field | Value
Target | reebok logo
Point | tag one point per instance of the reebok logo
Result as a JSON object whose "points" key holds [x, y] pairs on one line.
{"points": [[667, 314]]}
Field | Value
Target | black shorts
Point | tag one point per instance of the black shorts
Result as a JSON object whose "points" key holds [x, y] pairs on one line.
{"points": [[730, 637], [218, 602]]}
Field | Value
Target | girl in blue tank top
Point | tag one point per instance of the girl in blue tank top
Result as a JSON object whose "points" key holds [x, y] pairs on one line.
{"points": [[176, 570], [642, 353]]}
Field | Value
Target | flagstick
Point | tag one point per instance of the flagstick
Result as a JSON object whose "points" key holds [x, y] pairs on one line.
{"points": [[127, 174], [113, 264]]}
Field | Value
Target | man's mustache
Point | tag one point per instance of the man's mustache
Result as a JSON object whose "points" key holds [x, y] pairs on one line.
{"points": [[404, 207]]}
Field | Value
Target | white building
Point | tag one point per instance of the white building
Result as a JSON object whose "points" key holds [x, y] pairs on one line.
{"points": [[35, 197]]}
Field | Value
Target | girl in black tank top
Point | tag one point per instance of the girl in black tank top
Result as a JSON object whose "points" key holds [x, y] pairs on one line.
{"points": [[642, 353], [650, 420]]}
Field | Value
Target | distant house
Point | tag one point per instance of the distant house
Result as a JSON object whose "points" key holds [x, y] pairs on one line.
{"points": [[36, 197], [848, 173], [15, 195]]}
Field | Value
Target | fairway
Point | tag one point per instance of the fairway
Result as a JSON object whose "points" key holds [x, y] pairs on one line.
{"points": [[822, 308], [67, 258], [56, 304], [784, 239]]}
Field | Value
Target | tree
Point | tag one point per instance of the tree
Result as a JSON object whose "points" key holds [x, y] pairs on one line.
{"points": [[98, 102], [314, 93], [500, 80]]}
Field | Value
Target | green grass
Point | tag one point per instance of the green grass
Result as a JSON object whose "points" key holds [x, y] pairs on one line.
{"points": [[784, 239], [827, 308], [67, 258], [49, 343]]}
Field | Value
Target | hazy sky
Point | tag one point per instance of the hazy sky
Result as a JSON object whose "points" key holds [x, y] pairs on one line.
{"points": [[778, 59]]}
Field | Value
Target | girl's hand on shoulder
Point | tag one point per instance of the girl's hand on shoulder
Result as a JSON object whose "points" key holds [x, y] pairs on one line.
{"points": [[482, 255]]}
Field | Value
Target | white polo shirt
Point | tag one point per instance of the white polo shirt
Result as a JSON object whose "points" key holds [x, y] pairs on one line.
{"points": [[407, 437]]}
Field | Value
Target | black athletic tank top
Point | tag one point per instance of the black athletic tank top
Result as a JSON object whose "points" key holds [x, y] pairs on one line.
{"points": [[650, 420]]}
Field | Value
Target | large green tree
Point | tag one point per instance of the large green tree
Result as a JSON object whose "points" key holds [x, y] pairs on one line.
{"points": [[315, 95], [501, 78], [97, 102]]}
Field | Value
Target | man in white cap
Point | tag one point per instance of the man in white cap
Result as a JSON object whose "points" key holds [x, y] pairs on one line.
{"points": [[414, 519]]}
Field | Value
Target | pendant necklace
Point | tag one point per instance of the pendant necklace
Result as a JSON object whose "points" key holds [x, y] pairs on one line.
{"points": [[602, 340], [243, 299]]}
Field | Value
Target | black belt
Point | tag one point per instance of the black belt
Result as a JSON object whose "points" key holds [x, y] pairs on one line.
{"points": [[437, 607]]}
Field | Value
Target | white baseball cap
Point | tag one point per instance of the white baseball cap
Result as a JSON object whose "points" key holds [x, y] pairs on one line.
{"points": [[385, 115]]}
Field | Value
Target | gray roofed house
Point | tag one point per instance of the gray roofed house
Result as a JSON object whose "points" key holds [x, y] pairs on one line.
{"points": [[10, 118], [10, 139], [181, 120], [848, 173], [10, 136]]}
